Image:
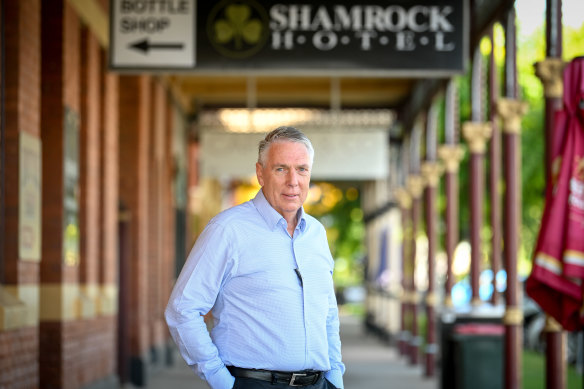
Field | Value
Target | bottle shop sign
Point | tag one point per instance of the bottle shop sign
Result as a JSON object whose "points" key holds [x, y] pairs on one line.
{"points": [[152, 34]]}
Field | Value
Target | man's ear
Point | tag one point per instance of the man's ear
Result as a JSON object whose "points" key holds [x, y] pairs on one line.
{"points": [[259, 173]]}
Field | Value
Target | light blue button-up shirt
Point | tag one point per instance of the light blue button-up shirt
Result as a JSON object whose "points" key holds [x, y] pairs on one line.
{"points": [[243, 267]]}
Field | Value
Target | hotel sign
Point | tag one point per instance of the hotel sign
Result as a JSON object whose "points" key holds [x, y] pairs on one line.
{"points": [[396, 37]]}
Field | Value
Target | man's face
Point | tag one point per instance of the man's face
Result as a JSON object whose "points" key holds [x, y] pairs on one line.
{"points": [[285, 177]]}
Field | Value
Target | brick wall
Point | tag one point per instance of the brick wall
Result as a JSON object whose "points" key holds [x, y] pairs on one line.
{"points": [[22, 115], [157, 212], [78, 342], [109, 175], [52, 136], [19, 346], [90, 169], [18, 358], [125, 154], [134, 140]]}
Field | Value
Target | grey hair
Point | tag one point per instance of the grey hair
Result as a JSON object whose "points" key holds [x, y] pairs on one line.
{"points": [[284, 134]]}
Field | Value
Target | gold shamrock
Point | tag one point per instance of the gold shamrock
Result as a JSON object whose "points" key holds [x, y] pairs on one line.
{"points": [[237, 26]]}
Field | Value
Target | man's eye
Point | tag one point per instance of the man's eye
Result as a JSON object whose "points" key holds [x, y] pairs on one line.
{"points": [[279, 169]]}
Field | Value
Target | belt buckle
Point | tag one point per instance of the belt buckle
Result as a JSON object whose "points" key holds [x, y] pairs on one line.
{"points": [[294, 376]]}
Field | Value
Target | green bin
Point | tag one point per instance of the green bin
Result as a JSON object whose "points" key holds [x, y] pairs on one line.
{"points": [[478, 355]]}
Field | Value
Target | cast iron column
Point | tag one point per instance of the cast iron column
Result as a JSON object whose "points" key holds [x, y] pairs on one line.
{"points": [[510, 110], [415, 188], [550, 71], [495, 172], [476, 134], [451, 154], [405, 203], [431, 172]]}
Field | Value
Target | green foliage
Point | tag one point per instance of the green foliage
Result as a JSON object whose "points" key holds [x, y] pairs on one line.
{"points": [[573, 42], [534, 372], [530, 49], [346, 234]]}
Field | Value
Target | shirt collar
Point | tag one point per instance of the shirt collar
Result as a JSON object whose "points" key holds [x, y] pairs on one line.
{"points": [[271, 216]]}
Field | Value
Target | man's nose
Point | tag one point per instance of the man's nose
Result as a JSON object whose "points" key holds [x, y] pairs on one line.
{"points": [[292, 177]]}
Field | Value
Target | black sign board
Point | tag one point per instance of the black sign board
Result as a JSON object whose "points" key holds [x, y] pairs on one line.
{"points": [[393, 37], [387, 36]]}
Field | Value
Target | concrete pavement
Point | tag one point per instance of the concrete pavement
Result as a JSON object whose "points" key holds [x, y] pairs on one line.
{"points": [[370, 365]]}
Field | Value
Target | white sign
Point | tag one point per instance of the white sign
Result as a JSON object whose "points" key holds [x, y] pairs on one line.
{"points": [[359, 155], [146, 34]]}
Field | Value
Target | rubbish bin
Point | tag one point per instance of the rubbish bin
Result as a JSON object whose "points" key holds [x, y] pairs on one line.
{"points": [[478, 355], [457, 346]]}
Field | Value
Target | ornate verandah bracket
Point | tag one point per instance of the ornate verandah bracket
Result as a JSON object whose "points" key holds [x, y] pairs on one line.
{"points": [[511, 111], [477, 134], [550, 71], [431, 171], [451, 155]]}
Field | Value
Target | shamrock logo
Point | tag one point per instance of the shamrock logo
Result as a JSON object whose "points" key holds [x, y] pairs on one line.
{"points": [[237, 29], [238, 26]]}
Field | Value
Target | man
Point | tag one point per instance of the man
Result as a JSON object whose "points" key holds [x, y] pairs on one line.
{"points": [[265, 270]]}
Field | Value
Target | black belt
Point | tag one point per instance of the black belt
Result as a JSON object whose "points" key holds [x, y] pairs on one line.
{"points": [[299, 378]]}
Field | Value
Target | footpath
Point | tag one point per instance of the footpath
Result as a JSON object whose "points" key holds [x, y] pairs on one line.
{"points": [[370, 363]]}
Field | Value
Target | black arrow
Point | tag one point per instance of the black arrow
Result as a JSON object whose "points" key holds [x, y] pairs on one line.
{"points": [[144, 46]]}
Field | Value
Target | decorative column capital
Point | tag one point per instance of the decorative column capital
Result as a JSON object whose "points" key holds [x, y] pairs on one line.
{"points": [[415, 185], [403, 198], [448, 301], [513, 316], [550, 71], [431, 171], [551, 325], [412, 297], [511, 111], [451, 155], [431, 300], [477, 134]]}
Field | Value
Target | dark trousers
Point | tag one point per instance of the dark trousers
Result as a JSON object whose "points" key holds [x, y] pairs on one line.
{"points": [[250, 383]]}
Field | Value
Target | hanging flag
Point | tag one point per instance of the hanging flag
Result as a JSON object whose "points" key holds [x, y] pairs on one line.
{"points": [[555, 282]]}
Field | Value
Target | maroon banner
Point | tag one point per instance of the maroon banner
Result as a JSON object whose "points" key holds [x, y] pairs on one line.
{"points": [[555, 282]]}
